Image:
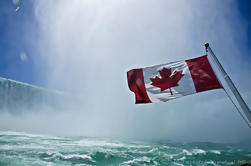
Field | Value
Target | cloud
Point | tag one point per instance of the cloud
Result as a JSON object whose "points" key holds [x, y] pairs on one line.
{"points": [[88, 46]]}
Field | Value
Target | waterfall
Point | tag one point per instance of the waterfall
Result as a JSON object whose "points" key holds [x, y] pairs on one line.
{"points": [[15, 96]]}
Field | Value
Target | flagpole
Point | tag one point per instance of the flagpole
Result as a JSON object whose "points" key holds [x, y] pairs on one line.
{"points": [[231, 85]]}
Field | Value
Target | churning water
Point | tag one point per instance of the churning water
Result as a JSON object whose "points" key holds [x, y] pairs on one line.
{"points": [[18, 148]]}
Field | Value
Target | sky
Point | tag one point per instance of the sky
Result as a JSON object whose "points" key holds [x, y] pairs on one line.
{"points": [[85, 47]]}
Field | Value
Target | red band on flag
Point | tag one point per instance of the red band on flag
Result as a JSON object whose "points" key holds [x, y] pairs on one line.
{"points": [[202, 74], [136, 84]]}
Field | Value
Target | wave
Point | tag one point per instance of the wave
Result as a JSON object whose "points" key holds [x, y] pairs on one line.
{"points": [[20, 148]]}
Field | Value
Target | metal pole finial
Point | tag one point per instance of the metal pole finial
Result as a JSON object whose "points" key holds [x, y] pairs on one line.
{"points": [[206, 46]]}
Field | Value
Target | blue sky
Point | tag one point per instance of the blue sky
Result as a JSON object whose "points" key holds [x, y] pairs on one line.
{"points": [[244, 8], [86, 47], [16, 41]]}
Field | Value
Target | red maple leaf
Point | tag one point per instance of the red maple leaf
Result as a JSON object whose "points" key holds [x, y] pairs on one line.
{"points": [[167, 80]]}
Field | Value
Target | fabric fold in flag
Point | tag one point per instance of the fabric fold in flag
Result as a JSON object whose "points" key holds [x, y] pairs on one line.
{"points": [[172, 80], [137, 85]]}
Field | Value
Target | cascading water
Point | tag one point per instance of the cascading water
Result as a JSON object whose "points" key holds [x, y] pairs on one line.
{"points": [[16, 96]]}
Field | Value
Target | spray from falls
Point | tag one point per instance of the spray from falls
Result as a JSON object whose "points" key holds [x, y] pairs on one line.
{"points": [[86, 47]]}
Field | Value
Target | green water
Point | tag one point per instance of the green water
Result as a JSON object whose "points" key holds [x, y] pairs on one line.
{"points": [[28, 149]]}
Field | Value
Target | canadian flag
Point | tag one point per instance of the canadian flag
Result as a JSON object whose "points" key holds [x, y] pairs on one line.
{"points": [[172, 80]]}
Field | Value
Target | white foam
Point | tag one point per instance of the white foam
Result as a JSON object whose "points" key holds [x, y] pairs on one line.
{"points": [[133, 161], [98, 143], [182, 158], [170, 155], [215, 151], [87, 142], [210, 162], [13, 147], [199, 151], [178, 164], [83, 156], [153, 150], [187, 152], [70, 156]]}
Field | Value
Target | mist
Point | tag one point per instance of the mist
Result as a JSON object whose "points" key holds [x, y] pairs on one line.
{"points": [[86, 47]]}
